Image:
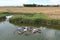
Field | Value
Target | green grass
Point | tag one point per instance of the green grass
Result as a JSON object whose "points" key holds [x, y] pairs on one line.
{"points": [[3, 14], [28, 19], [32, 19], [36, 18]]}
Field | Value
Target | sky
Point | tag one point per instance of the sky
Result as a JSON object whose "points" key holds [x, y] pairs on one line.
{"points": [[21, 2]]}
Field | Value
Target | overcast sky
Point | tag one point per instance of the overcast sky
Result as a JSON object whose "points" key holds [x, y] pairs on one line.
{"points": [[21, 2]]}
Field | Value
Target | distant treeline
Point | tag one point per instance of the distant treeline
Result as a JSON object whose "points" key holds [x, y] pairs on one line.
{"points": [[35, 5]]}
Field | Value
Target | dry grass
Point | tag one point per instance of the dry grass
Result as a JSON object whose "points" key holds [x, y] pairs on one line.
{"points": [[52, 12]]}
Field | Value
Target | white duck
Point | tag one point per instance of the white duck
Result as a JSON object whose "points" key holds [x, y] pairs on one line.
{"points": [[34, 30], [25, 29]]}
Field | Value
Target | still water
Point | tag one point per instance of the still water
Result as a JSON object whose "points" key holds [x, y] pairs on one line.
{"points": [[8, 32]]}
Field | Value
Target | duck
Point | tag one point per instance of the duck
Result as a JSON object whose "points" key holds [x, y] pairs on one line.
{"points": [[19, 29], [19, 32], [39, 31], [34, 30], [25, 29]]}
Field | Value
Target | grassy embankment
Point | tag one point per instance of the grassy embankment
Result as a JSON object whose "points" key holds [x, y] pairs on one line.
{"points": [[35, 19], [32, 19]]}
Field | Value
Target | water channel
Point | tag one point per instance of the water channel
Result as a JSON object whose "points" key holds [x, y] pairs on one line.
{"points": [[8, 32]]}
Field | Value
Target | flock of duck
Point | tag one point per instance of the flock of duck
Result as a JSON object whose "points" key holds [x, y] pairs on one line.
{"points": [[25, 30], [28, 30]]}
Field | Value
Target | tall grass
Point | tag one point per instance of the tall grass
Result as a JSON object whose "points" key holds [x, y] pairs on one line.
{"points": [[28, 19], [32, 19], [39, 19]]}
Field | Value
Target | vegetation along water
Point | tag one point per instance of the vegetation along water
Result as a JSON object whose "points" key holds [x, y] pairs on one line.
{"points": [[34, 19]]}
